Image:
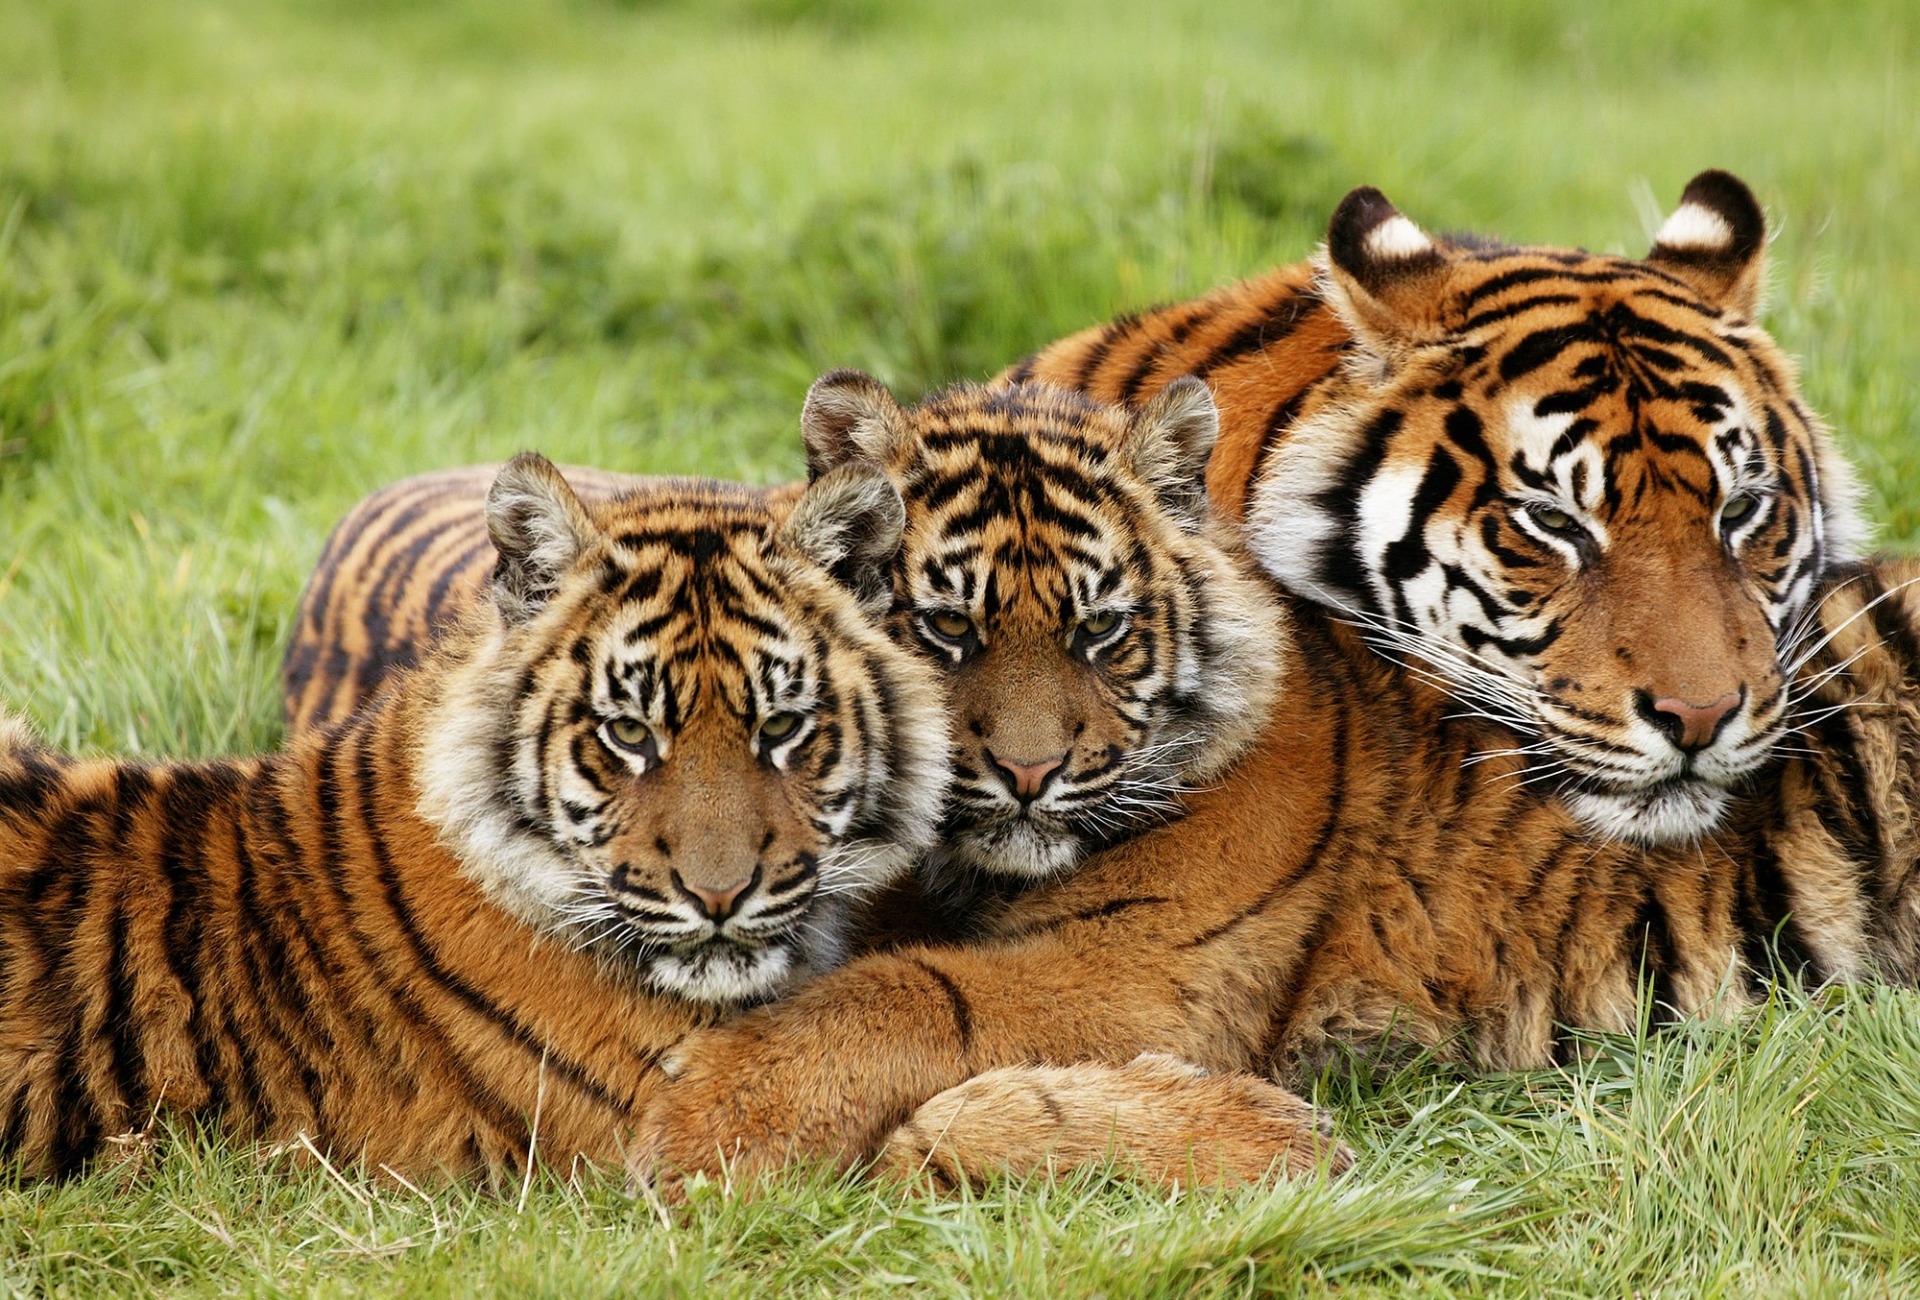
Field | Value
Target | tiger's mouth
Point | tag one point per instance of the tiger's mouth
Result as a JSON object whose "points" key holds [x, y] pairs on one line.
{"points": [[721, 970], [1674, 810], [739, 961], [1022, 843], [1648, 796]]}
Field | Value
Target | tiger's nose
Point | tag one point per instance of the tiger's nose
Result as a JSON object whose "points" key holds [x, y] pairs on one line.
{"points": [[1027, 780], [1691, 727], [718, 904]]}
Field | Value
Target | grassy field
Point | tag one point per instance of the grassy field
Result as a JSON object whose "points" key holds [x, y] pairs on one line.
{"points": [[260, 256]]}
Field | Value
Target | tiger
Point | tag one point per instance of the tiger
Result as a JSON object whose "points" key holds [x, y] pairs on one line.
{"points": [[646, 783], [1349, 890], [1102, 638], [1582, 490]]}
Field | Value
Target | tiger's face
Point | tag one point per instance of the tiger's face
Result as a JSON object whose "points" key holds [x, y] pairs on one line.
{"points": [[1581, 488], [689, 745], [1104, 648]]}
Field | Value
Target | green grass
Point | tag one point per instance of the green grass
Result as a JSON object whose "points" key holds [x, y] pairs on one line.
{"points": [[1773, 1157], [259, 256]]}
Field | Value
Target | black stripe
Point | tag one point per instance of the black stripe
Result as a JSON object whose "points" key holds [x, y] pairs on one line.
{"points": [[962, 1012], [1096, 352], [1273, 325], [1782, 935], [266, 953], [505, 1020], [1658, 956], [183, 815]]}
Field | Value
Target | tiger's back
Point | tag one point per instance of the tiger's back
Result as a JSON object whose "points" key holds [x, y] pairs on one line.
{"points": [[240, 939], [401, 568]]}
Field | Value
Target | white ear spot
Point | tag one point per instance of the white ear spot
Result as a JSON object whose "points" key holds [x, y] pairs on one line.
{"points": [[1396, 238], [1694, 226]]}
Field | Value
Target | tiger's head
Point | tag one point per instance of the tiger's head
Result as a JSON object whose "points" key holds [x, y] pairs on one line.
{"points": [[1105, 643], [682, 738], [1582, 488]]}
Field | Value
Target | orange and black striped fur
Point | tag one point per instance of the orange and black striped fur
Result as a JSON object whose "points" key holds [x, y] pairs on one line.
{"points": [[646, 783], [1104, 643], [1354, 882], [1582, 490], [403, 566]]}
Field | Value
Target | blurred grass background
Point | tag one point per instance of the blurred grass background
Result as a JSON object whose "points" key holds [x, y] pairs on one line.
{"points": [[258, 257]]}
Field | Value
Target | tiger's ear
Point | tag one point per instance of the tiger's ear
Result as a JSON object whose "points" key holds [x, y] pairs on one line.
{"points": [[850, 522], [539, 527], [1172, 439], [1716, 241], [1383, 274], [848, 415]]}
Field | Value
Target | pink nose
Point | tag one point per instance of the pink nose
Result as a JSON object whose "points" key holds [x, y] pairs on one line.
{"points": [[717, 903], [1028, 779], [1691, 727]]}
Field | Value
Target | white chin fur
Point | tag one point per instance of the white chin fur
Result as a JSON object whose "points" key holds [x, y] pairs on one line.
{"points": [[722, 974], [1017, 849], [1665, 814]]}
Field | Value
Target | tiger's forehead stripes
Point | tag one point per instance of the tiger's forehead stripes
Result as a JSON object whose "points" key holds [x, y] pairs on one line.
{"points": [[1619, 366], [1019, 518], [700, 621]]}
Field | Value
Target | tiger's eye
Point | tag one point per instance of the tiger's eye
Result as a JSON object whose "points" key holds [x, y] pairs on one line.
{"points": [[1738, 507], [779, 726], [950, 624], [1099, 624], [629, 733], [1553, 520]]}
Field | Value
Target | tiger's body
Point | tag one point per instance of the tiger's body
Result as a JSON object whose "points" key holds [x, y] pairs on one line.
{"points": [[645, 785], [1352, 883], [1581, 489]]}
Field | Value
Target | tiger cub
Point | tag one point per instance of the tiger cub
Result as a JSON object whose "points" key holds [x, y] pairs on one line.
{"points": [[1106, 646], [1583, 490], [1104, 643], [647, 782]]}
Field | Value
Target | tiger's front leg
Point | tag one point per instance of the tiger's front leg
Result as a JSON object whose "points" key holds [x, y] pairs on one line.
{"points": [[830, 1074], [1130, 954]]}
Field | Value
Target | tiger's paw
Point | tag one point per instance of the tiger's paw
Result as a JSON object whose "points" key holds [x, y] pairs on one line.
{"points": [[1159, 1118], [749, 1099]]}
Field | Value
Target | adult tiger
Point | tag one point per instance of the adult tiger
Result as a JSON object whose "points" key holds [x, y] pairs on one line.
{"points": [[1350, 883], [648, 782], [1106, 644], [1580, 488]]}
